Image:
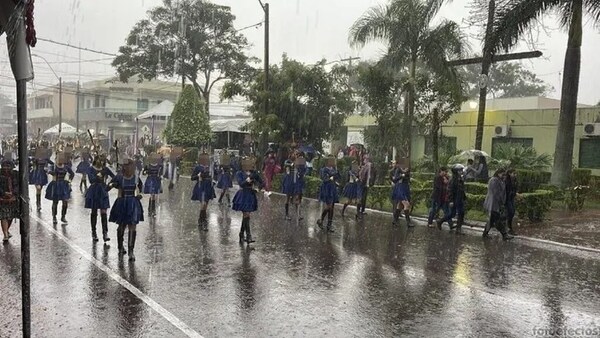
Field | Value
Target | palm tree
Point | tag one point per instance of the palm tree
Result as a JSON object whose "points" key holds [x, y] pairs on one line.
{"points": [[405, 26], [513, 22]]}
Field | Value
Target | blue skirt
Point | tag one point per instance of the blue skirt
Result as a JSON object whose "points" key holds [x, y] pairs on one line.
{"points": [[203, 191], [328, 193], [351, 191], [299, 187], [152, 185], [58, 191], [224, 182], [96, 197], [83, 167], [127, 210], [287, 185], [245, 201], [38, 177], [401, 192]]}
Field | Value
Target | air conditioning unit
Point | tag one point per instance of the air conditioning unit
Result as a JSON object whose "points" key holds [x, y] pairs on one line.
{"points": [[591, 129], [501, 131]]}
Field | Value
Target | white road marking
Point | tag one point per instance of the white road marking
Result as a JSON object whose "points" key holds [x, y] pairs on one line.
{"points": [[171, 318]]}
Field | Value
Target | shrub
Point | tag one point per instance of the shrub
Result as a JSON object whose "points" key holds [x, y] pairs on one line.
{"points": [[424, 177], [379, 197], [574, 197], [475, 202], [581, 177], [595, 187], [558, 194], [534, 205], [530, 181], [476, 188], [191, 154]]}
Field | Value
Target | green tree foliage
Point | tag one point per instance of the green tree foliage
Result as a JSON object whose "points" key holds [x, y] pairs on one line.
{"points": [[188, 125], [519, 157], [414, 38], [506, 79], [513, 22], [190, 38], [306, 102]]}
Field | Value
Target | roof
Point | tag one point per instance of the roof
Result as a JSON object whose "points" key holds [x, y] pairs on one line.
{"points": [[516, 103]]}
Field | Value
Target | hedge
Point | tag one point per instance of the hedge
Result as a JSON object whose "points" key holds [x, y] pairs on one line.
{"points": [[581, 177], [476, 188], [535, 205], [530, 181], [595, 187]]}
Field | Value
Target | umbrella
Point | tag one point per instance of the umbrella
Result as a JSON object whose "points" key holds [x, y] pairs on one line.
{"points": [[468, 154], [307, 149]]}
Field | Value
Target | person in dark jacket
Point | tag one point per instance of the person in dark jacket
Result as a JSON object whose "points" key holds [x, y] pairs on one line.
{"points": [[482, 171], [511, 194], [439, 198], [457, 198], [400, 178], [494, 204]]}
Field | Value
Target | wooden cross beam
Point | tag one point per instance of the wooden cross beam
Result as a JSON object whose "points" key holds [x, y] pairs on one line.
{"points": [[497, 58]]}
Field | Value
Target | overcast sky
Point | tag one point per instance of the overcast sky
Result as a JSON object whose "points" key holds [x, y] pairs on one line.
{"points": [[307, 30]]}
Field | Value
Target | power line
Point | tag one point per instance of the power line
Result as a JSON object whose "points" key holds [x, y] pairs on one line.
{"points": [[76, 47]]}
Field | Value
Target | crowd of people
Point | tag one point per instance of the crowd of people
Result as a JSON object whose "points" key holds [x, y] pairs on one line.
{"points": [[102, 171]]}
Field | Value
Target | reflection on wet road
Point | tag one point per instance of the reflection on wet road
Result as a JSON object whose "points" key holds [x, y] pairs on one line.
{"points": [[367, 279]]}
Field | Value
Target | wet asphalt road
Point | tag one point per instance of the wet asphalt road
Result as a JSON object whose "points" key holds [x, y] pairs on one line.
{"points": [[368, 279]]}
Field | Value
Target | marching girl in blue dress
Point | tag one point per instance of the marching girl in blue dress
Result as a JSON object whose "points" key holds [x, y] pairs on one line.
{"points": [[127, 211], [245, 199], [287, 186], [225, 178], [203, 190], [153, 187], [351, 188], [400, 178], [38, 176], [60, 187], [328, 193], [83, 167], [96, 197]]}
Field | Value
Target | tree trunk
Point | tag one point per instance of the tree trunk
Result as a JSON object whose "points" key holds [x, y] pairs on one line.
{"points": [[435, 154], [411, 107], [485, 70], [565, 134]]}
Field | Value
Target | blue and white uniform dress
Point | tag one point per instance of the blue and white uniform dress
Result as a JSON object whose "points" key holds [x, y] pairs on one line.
{"points": [[59, 189], [401, 190], [153, 181], [225, 180], [127, 209], [39, 174], [288, 183], [203, 190], [351, 189], [96, 196], [245, 199], [300, 182], [84, 166], [328, 193]]}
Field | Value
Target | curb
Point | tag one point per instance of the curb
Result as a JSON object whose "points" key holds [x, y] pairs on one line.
{"points": [[473, 226]]}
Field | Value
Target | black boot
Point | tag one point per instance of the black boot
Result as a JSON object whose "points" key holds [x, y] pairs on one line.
{"points": [[131, 244], [323, 214], [54, 212], [459, 223], [120, 238], [93, 221], [298, 212], [151, 206], [243, 231], [228, 201], [330, 227], [407, 218], [204, 220], [104, 220], [486, 230], [344, 209], [358, 214], [510, 229], [38, 202], [248, 233], [287, 212], [63, 218], [221, 198]]}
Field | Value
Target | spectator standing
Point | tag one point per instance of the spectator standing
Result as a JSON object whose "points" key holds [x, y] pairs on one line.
{"points": [[494, 204], [439, 199]]}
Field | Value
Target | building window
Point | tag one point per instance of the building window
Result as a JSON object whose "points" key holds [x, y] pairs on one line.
{"points": [[103, 103], [88, 104], [589, 149], [142, 104], [446, 144], [525, 142], [96, 101]]}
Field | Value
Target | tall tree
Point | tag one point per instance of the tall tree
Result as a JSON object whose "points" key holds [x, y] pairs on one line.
{"points": [[507, 79], [407, 28], [192, 39], [188, 125], [306, 102], [513, 22]]}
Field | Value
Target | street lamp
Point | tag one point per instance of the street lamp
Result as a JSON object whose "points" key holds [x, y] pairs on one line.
{"points": [[59, 93]]}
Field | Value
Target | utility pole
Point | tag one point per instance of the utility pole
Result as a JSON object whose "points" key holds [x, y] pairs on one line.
{"points": [[266, 9], [77, 111], [486, 63], [59, 106]]}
